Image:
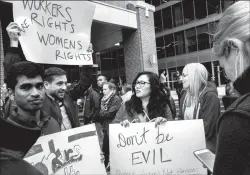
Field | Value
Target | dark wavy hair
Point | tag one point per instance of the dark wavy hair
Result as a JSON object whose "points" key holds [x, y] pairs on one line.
{"points": [[157, 102], [26, 68]]}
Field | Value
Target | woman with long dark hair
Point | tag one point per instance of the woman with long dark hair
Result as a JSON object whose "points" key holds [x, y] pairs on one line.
{"points": [[148, 102]]}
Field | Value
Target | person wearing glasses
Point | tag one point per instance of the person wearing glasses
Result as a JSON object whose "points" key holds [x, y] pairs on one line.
{"points": [[232, 47], [200, 100], [148, 102]]}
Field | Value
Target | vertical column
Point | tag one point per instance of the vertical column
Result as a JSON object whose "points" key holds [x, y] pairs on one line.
{"points": [[1, 56], [139, 46]]}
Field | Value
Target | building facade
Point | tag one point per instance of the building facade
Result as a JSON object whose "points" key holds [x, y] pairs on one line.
{"points": [[184, 31], [122, 35]]}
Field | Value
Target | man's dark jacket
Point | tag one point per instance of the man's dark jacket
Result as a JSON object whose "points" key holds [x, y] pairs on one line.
{"points": [[47, 125], [92, 103], [15, 143], [51, 108]]}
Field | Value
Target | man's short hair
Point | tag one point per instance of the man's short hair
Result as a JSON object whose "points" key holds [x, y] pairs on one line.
{"points": [[85, 80], [110, 85], [28, 69], [103, 76], [50, 72], [127, 88]]}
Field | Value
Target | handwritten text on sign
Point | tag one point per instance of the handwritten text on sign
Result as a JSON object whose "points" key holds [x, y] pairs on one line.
{"points": [[166, 150], [55, 32], [71, 152]]}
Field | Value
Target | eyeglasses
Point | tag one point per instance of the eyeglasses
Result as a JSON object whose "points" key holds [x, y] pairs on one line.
{"points": [[141, 83]]}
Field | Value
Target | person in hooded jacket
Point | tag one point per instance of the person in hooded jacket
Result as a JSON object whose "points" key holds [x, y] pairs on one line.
{"points": [[200, 101], [232, 48]]}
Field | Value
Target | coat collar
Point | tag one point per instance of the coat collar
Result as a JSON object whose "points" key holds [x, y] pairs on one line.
{"points": [[27, 122], [242, 83]]}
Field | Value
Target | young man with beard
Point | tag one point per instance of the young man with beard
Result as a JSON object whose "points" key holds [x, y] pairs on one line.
{"points": [[27, 121], [58, 103]]}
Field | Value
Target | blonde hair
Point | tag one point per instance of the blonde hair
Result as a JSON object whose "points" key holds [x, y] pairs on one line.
{"points": [[197, 76], [233, 28]]}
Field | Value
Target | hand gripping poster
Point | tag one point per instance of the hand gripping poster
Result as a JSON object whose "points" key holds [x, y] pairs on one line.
{"points": [[142, 149]]}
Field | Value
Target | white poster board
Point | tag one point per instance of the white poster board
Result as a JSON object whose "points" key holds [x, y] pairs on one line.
{"points": [[70, 152], [143, 149], [55, 32]]}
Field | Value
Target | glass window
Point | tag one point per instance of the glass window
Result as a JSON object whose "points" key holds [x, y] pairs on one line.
{"points": [[169, 45], [200, 9], [203, 37], [158, 21], [167, 18], [191, 42], [177, 14], [160, 47], [188, 10], [211, 31], [213, 6], [156, 2], [179, 42]]}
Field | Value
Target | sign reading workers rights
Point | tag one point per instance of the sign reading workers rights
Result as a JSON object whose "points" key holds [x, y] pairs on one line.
{"points": [[168, 149], [55, 32], [71, 152]]}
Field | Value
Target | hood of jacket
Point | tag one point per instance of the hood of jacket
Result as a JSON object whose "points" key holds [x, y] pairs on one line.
{"points": [[211, 87]]}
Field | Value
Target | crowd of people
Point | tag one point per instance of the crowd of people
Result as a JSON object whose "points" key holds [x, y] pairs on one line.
{"points": [[38, 102]]}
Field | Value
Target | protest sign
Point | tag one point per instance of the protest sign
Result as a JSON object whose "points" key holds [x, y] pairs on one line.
{"points": [[71, 152], [143, 149], [55, 32]]}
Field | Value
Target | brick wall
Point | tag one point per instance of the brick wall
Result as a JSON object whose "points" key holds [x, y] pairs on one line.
{"points": [[139, 46]]}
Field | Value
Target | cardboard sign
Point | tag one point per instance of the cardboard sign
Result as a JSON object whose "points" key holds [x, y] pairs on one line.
{"points": [[70, 152], [55, 32], [143, 149]]}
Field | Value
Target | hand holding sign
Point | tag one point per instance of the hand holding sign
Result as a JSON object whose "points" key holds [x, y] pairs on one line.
{"points": [[167, 149], [55, 32], [13, 31]]}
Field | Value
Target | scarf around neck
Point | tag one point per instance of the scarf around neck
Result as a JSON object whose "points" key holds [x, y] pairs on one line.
{"points": [[105, 100]]}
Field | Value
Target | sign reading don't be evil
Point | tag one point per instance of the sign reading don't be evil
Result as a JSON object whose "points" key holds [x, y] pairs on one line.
{"points": [[143, 149], [55, 32]]}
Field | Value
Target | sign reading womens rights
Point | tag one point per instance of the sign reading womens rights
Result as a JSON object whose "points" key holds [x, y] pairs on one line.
{"points": [[55, 32], [71, 152], [168, 149]]}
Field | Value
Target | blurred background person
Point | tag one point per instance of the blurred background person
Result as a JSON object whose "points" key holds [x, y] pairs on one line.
{"points": [[163, 77], [178, 86], [100, 80], [87, 98], [172, 106], [200, 101], [110, 104], [232, 46], [126, 93]]}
